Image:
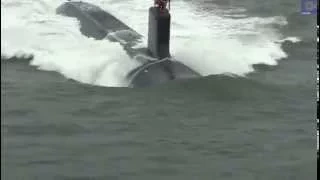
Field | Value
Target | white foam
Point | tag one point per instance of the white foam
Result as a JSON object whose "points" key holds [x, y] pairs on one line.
{"points": [[57, 44], [205, 41]]}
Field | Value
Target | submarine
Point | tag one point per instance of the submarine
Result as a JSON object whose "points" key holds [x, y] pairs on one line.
{"points": [[158, 66]]}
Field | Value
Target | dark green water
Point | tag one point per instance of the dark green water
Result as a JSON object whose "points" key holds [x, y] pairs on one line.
{"points": [[262, 126]]}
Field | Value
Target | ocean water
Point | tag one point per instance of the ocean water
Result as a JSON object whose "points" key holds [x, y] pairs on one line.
{"points": [[251, 116]]}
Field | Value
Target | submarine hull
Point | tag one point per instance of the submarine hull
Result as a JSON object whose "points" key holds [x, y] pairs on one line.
{"points": [[99, 24]]}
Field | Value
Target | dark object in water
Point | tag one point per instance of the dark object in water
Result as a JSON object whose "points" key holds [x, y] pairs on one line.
{"points": [[158, 65]]}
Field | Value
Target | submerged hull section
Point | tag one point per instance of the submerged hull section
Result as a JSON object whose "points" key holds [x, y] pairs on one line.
{"points": [[159, 72], [99, 24]]}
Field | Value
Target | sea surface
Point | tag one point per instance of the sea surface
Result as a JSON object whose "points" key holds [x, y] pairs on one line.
{"points": [[252, 116]]}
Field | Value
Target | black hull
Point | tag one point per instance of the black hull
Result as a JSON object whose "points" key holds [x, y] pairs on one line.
{"points": [[99, 24]]}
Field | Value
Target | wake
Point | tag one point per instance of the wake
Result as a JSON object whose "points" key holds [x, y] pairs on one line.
{"points": [[206, 42]]}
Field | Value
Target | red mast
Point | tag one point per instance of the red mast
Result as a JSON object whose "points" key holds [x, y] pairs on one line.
{"points": [[162, 4]]}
